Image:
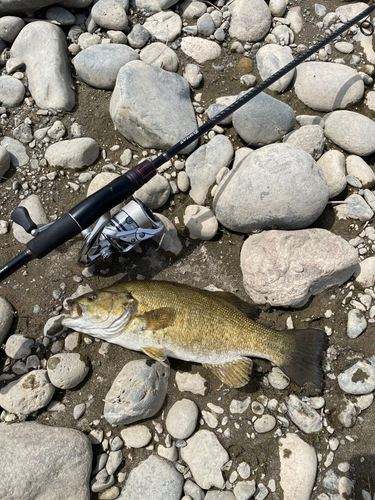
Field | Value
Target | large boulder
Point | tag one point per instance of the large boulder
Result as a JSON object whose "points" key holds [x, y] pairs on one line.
{"points": [[42, 47], [285, 268], [155, 113], [277, 186]]}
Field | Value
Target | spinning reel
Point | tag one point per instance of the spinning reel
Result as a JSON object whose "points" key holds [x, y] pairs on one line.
{"points": [[120, 232]]}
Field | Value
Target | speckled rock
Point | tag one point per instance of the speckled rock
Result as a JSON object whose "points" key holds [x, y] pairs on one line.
{"points": [[67, 370], [359, 378]]}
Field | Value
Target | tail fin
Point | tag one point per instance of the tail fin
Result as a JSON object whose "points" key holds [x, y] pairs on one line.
{"points": [[303, 363]]}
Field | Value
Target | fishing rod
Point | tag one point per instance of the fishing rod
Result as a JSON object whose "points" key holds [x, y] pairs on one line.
{"points": [[130, 225]]}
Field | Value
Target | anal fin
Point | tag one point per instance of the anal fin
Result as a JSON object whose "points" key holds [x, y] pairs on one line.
{"points": [[234, 373], [157, 354]]}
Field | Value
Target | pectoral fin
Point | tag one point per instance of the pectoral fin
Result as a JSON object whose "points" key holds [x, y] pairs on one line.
{"points": [[157, 319], [233, 373], [155, 353]]}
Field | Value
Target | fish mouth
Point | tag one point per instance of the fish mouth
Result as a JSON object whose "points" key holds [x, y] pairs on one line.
{"points": [[75, 309]]}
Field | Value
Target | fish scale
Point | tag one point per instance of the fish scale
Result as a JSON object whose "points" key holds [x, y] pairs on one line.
{"points": [[165, 319]]}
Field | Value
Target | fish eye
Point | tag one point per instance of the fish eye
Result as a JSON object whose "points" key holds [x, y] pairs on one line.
{"points": [[91, 298]]}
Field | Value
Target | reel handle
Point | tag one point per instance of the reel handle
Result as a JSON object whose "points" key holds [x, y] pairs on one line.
{"points": [[21, 216]]}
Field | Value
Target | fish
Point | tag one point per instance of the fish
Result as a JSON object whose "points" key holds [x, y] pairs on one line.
{"points": [[171, 320]]}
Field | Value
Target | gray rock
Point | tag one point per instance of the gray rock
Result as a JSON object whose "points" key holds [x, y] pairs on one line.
{"points": [[199, 49], [23, 6], [358, 139], [205, 25], [270, 59], [170, 453], [78, 411], [192, 9], [138, 392], [359, 378], [193, 490], [17, 346], [277, 186], [205, 456], [357, 323], [303, 416], [73, 153], [200, 222], [173, 116], [36, 211], [298, 467], [60, 15], [6, 319], [110, 14], [153, 5], [193, 75], [310, 120], [4, 161], [263, 120], [154, 478], [117, 36], [325, 86], [357, 167], [42, 47], [165, 26], [75, 4], [278, 379], [354, 207], [277, 7], [191, 382], [138, 37], [136, 436], [30, 393], [12, 91], [310, 138], [264, 424], [250, 22], [17, 152], [57, 131], [168, 239], [87, 40], [332, 164], [46, 464], [10, 26], [365, 274], [203, 165], [155, 193], [182, 419], [99, 64], [114, 460], [295, 18], [300, 255], [23, 133], [183, 182], [219, 495], [160, 55], [348, 416], [67, 370]]}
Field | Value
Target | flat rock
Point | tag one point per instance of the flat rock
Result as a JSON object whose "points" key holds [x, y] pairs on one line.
{"points": [[173, 116], [182, 419], [205, 456], [358, 139], [325, 86], [298, 467], [43, 49], [270, 59], [286, 268], [332, 164], [359, 378], [30, 393], [73, 153], [310, 138], [263, 120], [99, 64], [53, 462], [160, 55], [136, 436], [303, 416], [6, 319], [67, 370], [199, 49], [277, 186], [250, 21], [36, 211], [165, 26], [203, 165], [354, 207], [12, 91], [137, 392], [168, 239], [200, 222]]}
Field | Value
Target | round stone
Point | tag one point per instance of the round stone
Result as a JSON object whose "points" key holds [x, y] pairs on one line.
{"points": [[136, 436], [182, 419], [264, 424]]}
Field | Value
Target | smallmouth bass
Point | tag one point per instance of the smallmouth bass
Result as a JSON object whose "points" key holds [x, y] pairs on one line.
{"points": [[165, 319]]}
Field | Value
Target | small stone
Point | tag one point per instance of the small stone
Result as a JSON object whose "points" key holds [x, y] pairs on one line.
{"points": [[78, 411], [18, 346], [193, 383], [237, 406], [264, 424], [182, 419], [136, 436]]}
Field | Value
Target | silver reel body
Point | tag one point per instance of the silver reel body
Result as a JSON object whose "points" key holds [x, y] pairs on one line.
{"points": [[121, 232]]}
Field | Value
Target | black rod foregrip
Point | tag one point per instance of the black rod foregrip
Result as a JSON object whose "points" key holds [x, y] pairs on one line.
{"points": [[14, 264]]}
